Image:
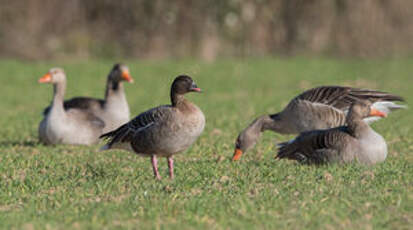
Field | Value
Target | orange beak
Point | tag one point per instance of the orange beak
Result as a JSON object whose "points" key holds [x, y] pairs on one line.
{"points": [[237, 154], [127, 77], [46, 78], [377, 113]]}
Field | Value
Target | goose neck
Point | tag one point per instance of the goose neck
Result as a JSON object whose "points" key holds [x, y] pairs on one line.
{"points": [[355, 124], [177, 99], [113, 88], [58, 95]]}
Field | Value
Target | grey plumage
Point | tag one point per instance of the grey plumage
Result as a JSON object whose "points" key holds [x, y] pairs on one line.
{"points": [[84, 103], [326, 107], [318, 108], [71, 126], [114, 108], [354, 142], [341, 97], [317, 147]]}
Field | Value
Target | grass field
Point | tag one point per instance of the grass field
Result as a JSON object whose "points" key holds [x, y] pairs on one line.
{"points": [[72, 187]]}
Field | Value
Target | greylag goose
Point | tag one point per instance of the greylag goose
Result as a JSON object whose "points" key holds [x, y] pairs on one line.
{"points": [[318, 108], [354, 142], [164, 130], [114, 108], [71, 126]]}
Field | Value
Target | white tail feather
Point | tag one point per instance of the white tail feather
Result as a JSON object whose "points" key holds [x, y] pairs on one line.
{"points": [[370, 120], [387, 106]]}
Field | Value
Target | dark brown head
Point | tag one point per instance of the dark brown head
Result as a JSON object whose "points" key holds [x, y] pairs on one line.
{"points": [[184, 84], [120, 72], [54, 76]]}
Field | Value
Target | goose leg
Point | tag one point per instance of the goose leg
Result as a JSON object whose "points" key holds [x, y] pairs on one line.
{"points": [[171, 167], [155, 167]]}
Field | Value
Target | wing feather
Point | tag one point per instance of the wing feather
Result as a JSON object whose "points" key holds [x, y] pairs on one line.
{"points": [[84, 103], [342, 97], [314, 146], [140, 123]]}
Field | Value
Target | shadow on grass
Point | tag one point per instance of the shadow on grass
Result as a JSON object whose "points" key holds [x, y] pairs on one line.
{"points": [[26, 143]]}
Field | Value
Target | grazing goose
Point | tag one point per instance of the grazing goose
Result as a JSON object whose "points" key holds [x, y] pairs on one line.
{"points": [[71, 126], [114, 108], [344, 144], [164, 130], [318, 108]]}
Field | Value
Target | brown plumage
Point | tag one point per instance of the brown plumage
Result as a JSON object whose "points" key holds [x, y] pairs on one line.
{"points": [[354, 142], [164, 130], [318, 108]]}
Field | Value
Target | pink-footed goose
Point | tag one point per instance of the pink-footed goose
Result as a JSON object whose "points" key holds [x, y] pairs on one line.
{"points": [[318, 108], [71, 126], [164, 130], [354, 142], [114, 108]]}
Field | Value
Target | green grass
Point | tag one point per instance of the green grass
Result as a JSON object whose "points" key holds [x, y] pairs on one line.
{"points": [[74, 187]]}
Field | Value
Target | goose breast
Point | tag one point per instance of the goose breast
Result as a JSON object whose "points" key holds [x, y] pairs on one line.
{"points": [[373, 148]]}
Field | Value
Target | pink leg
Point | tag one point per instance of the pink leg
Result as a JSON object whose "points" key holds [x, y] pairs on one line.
{"points": [[155, 167], [171, 167]]}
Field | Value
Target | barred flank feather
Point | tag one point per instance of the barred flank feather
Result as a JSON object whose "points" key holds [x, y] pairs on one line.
{"points": [[313, 146]]}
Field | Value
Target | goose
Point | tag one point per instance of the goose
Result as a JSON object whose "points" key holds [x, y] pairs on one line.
{"points": [[67, 126], [318, 108], [356, 141], [114, 108], [164, 130]]}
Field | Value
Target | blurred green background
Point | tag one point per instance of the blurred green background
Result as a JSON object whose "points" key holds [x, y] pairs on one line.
{"points": [[207, 29]]}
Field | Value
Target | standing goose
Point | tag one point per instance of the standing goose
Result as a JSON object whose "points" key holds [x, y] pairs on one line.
{"points": [[164, 130], [67, 126], [354, 142], [318, 108], [114, 108]]}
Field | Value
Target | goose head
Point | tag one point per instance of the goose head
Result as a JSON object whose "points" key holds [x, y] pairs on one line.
{"points": [[120, 72], [184, 84], [364, 109], [54, 76], [246, 140]]}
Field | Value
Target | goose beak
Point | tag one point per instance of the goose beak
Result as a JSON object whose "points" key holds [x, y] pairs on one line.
{"points": [[127, 77], [46, 78], [194, 88], [237, 154], [377, 113]]}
